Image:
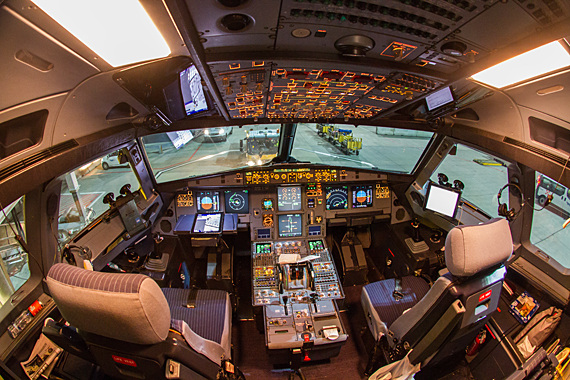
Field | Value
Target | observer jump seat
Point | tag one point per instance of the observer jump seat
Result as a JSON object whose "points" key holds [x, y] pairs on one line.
{"points": [[443, 319]]}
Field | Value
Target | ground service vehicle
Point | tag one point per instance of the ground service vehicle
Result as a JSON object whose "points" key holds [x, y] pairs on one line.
{"points": [[358, 139]]}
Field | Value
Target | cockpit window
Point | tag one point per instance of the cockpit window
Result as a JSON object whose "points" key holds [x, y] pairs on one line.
{"points": [[548, 233], [481, 174], [196, 152], [83, 190], [366, 147], [14, 271]]}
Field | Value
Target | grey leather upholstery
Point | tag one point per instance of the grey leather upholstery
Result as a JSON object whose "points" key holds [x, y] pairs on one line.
{"points": [[132, 308], [468, 250]]}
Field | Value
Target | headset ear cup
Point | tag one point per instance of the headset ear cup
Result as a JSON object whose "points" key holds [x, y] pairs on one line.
{"points": [[501, 210]]}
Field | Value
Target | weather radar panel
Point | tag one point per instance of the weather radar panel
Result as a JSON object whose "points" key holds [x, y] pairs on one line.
{"points": [[237, 201], [337, 197], [289, 198], [208, 201], [362, 196]]}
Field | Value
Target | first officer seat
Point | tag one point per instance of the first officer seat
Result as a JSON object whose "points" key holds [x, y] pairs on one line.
{"points": [[433, 323]]}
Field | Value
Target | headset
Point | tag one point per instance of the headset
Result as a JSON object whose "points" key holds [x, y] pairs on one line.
{"points": [[504, 210]]}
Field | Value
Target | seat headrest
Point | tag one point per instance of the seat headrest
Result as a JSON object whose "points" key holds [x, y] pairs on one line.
{"points": [[126, 307], [471, 249]]}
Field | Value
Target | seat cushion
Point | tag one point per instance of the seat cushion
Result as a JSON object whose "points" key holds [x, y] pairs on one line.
{"points": [[209, 316], [209, 320], [382, 309]]}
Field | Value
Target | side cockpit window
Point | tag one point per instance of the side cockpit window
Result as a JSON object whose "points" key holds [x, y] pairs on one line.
{"points": [[548, 233], [14, 271], [83, 190], [482, 175]]}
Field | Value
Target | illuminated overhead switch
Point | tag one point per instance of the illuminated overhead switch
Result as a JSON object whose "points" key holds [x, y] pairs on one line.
{"points": [[320, 33], [297, 75], [226, 81], [244, 79], [229, 90]]}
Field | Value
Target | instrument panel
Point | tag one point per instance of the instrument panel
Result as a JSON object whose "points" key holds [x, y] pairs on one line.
{"points": [[272, 208]]}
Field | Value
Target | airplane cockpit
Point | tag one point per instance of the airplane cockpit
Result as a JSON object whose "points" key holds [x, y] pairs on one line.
{"points": [[313, 189]]}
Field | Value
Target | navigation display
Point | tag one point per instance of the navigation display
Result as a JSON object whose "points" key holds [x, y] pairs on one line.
{"points": [[337, 197], [289, 198], [362, 196], [208, 223], [208, 201], [237, 202], [290, 225]]}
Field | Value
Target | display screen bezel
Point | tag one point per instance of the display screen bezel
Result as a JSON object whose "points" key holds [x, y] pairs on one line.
{"points": [[201, 93], [228, 194], [281, 235], [429, 108], [352, 192], [199, 209], [430, 194], [280, 209], [327, 188], [220, 228]]}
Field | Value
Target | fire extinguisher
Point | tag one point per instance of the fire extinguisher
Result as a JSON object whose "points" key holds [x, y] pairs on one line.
{"points": [[479, 340]]}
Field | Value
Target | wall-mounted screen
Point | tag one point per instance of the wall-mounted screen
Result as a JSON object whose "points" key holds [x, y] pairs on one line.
{"points": [[290, 225], [289, 198], [208, 201], [336, 197], [442, 200], [207, 224], [362, 196], [192, 91], [439, 99], [237, 201]]}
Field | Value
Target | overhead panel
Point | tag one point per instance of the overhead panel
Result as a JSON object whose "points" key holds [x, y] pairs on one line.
{"points": [[277, 90], [305, 93], [249, 24], [412, 26], [244, 87]]}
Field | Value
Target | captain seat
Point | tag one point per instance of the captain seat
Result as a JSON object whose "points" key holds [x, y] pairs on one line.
{"points": [[442, 320], [132, 327]]}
